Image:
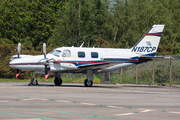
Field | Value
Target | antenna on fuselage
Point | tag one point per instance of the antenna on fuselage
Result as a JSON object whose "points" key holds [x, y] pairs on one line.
{"points": [[82, 45]]}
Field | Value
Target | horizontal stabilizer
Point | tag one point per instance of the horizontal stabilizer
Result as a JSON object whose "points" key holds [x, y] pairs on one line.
{"points": [[157, 58]]}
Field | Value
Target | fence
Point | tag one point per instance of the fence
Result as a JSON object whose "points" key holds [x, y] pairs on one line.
{"points": [[141, 73]]}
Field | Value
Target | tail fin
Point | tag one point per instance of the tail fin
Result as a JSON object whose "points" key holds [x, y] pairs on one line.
{"points": [[148, 44]]}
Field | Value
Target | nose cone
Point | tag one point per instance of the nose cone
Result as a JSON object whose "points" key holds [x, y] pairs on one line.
{"points": [[27, 62], [13, 63]]}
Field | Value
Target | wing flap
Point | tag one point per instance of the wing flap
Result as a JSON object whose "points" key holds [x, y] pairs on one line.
{"points": [[92, 65]]}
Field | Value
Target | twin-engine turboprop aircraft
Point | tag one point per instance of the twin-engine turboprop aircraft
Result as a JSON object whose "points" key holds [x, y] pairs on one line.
{"points": [[88, 60]]}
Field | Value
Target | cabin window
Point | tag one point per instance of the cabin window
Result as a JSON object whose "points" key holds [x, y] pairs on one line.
{"points": [[94, 54], [66, 53], [81, 54]]}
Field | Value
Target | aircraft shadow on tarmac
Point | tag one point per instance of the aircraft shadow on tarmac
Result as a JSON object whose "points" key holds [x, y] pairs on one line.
{"points": [[94, 86], [70, 85]]}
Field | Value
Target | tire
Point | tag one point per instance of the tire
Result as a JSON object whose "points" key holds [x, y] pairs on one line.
{"points": [[58, 81], [33, 82], [88, 83]]}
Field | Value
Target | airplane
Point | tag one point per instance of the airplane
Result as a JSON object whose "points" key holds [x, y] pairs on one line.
{"points": [[88, 60]]}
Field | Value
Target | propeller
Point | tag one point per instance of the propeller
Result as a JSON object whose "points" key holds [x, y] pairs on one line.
{"points": [[46, 69], [17, 70]]}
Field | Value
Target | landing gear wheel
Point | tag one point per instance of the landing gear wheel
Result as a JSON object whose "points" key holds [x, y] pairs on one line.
{"points": [[33, 82], [58, 81], [88, 83]]}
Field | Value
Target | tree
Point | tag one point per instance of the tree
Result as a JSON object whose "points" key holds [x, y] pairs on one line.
{"points": [[27, 21], [80, 21]]}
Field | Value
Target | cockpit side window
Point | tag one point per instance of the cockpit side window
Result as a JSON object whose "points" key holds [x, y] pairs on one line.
{"points": [[55, 52], [66, 53]]}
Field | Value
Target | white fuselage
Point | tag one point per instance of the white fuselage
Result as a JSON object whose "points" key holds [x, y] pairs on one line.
{"points": [[73, 57]]}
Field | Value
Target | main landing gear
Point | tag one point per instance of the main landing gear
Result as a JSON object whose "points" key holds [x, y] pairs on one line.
{"points": [[57, 80], [33, 82], [89, 81]]}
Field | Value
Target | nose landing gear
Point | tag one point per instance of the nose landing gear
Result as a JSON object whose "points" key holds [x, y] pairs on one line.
{"points": [[33, 82]]}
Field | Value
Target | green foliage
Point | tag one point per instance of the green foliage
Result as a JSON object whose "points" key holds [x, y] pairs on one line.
{"points": [[99, 23], [80, 21], [8, 50], [32, 21], [79, 78], [133, 18], [145, 72]]}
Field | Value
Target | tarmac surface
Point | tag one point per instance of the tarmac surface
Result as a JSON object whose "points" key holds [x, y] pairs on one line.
{"points": [[100, 102]]}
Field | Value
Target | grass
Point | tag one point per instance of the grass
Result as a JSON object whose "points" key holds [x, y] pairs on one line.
{"points": [[65, 79], [162, 74], [22, 80]]}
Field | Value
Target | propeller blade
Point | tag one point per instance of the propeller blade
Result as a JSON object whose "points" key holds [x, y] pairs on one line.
{"points": [[58, 61], [19, 49], [17, 70], [44, 49], [47, 76], [45, 69], [17, 76]]}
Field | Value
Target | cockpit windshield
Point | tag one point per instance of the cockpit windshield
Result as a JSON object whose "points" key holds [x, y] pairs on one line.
{"points": [[55, 52]]}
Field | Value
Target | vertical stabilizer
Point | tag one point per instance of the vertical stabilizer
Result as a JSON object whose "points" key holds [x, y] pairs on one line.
{"points": [[148, 44]]}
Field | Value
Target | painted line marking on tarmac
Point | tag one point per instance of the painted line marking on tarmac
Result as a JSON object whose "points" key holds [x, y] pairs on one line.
{"points": [[146, 110], [114, 107], [92, 116], [34, 99], [125, 114], [63, 101], [25, 115], [88, 104], [174, 112], [4, 100]]}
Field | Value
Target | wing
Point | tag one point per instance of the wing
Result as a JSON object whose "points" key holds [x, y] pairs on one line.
{"points": [[107, 62], [95, 67]]}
